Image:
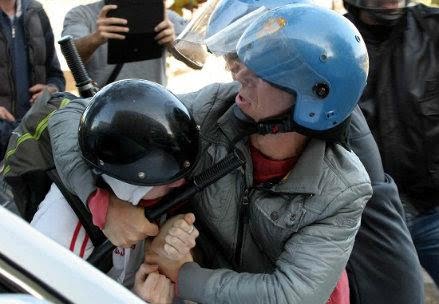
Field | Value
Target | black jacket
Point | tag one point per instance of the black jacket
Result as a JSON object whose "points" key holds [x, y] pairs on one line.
{"points": [[401, 102], [43, 61]]}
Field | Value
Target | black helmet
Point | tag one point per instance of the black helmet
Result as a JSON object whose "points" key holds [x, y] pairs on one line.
{"points": [[138, 132]]}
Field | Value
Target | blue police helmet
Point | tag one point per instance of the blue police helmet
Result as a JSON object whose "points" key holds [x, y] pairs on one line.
{"points": [[312, 52]]}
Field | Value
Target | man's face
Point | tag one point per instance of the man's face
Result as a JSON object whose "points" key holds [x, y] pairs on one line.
{"points": [[160, 191], [257, 98]]}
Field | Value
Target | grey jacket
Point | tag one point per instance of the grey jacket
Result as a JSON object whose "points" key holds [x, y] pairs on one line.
{"points": [[295, 237], [289, 241]]}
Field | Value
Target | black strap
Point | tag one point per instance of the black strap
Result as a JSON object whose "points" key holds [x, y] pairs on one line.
{"points": [[84, 216], [115, 73]]}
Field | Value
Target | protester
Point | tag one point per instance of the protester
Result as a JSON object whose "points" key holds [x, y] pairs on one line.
{"points": [[401, 106], [140, 151], [29, 62], [91, 28]]}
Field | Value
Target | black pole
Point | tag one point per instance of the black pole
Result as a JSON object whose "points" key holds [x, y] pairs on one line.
{"points": [[85, 85]]}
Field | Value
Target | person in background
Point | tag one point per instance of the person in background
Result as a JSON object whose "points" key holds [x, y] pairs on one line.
{"points": [[29, 64], [401, 106], [91, 28]]}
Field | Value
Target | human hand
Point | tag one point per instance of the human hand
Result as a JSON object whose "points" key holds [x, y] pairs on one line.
{"points": [[6, 115], [176, 238], [126, 224], [109, 27], [166, 32], [38, 89], [169, 268], [152, 286]]}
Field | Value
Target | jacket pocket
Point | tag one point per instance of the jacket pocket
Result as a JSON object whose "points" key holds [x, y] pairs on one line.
{"points": [[274, 219], [429, 107]]}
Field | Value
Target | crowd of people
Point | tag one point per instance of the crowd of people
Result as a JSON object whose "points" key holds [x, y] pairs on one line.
{"points": [[336, 117]]}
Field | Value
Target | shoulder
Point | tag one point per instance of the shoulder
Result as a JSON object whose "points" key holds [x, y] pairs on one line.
{"points": [[347, 181], [32, 7], [210, 102], [89, 11], [427, 17], [33, 4], [346, 165], [424, 11]]}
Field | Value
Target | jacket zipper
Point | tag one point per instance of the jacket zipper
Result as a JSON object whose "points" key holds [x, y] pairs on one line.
{"points": [[243, 221]]}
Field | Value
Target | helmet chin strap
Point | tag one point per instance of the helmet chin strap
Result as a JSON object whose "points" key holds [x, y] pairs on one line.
{"points": [[247, 126], [280, 124], [284, 124]]}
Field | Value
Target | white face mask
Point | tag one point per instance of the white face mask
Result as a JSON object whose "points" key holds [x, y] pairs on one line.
{"points": [[126, 192]]}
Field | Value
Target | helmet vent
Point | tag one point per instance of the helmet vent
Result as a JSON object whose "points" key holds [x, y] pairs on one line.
{"points": [[357, 38], [321, 90]]}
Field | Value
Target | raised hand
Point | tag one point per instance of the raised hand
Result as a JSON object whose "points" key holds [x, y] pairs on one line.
{"points": [[110, 27], [176, 238]]}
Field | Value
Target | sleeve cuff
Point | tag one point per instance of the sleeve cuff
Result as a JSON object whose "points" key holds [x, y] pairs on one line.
{"points": [[191, 282]]}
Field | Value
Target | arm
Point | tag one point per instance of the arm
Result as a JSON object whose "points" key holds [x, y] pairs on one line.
{"points": [[72, 169], [364, 145], [383, 239], [306, 271], [106, 28]]}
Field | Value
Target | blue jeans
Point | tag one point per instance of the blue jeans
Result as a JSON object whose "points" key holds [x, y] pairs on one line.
{"points": [[424, 229]]}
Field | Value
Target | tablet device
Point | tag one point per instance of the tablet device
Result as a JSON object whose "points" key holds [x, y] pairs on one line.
{"points": [[139, 44]]}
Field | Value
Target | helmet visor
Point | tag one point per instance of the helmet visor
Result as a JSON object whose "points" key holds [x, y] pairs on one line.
{"points": [[379, 4], [189, 45], [225, 40], [214, 17]]}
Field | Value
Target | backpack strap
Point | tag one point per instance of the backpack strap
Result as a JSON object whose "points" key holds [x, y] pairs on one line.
{"points": [[114, 73]]}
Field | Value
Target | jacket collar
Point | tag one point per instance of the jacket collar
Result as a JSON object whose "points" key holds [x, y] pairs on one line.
{"points": [[307, 174]]}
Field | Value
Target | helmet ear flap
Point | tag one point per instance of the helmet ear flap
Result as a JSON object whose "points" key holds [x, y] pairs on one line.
{"points": [[140, 133]]}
